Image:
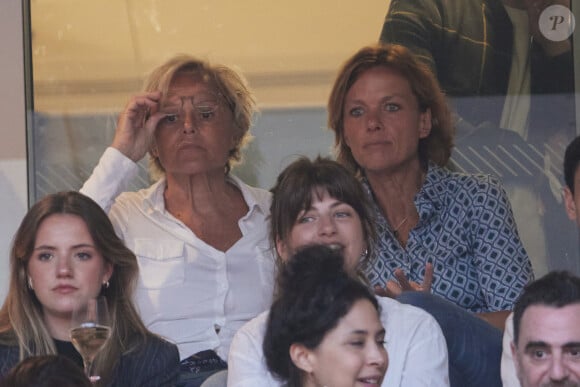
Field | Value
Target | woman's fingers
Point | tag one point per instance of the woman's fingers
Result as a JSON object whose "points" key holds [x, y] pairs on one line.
{"points": [[402, 279], [406, 285], [136, 125], [139, 108], [394, 288], [428, 279]]}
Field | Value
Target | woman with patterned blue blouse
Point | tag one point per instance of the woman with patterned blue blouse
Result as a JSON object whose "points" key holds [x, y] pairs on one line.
{"points": [[447, 241]]}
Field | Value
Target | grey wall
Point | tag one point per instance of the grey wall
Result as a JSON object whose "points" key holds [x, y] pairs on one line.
{"points": [[13, 186]]}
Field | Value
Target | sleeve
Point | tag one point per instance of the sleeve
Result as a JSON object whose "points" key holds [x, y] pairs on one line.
{"points": [[8, 359], [503, 265], [109, 178], [412, 23], [157, 365], [426, 359], [508, 369], [246, 364]]}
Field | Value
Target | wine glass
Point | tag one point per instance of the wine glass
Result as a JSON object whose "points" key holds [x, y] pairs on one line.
{"points": [[90, 329]]}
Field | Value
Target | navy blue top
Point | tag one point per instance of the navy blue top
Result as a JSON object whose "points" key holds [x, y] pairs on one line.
{"points": [[156, 364]]}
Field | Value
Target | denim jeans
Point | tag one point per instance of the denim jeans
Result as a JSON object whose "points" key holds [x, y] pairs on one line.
{"points": [[474, 345]]}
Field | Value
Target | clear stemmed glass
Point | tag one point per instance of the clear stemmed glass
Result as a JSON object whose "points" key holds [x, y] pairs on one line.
{"points": [[90, 329]]}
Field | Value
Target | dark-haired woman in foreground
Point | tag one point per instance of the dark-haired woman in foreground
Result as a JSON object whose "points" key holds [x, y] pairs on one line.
{"points": [[327, 331]]}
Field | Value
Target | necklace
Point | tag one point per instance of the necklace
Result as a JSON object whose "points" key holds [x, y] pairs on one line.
{"points": [[396, 229]]}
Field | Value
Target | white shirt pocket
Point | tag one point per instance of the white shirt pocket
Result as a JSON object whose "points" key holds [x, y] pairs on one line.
{"points": [[161, 263]]}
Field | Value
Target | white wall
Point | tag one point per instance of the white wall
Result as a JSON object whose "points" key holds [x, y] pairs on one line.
{"points": [[13, 185]]}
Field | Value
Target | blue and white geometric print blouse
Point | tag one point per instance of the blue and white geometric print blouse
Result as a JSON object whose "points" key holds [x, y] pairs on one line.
{"points": [[466, 229]]}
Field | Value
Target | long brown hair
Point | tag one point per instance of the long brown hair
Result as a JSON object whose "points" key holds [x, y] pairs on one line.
{"points": [[21, 316]]}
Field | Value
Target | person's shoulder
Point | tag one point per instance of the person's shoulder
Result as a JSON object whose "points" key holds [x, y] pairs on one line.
{"points": [[8, 347], [144, 197], [406, 321], [155, 362], [151, 347], [247, 342], [395, 315], [256, 327], [473, 182], [9, 357], [259, 195], [8, 351], [255, 191], [160, 345]]}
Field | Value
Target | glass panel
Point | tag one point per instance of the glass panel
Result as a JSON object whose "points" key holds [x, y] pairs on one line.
{"points": [[89, 57]]}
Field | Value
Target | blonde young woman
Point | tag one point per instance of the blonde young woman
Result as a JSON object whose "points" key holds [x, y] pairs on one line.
{"points": [[65, 252]]}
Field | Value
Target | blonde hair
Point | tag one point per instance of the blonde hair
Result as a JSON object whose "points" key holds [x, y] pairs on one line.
{"points": [[229, 84], [21, 316]]}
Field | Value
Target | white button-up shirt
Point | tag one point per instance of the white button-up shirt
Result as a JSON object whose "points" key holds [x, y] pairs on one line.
{"points": [[414, 342], [188, 292], [509, 375]]}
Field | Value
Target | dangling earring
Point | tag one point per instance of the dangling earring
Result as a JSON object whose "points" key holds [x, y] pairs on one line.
{"points": [[30, 284], [106, 284], [364, 254]]}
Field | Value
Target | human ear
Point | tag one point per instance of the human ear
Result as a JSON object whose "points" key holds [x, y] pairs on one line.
{"points": [[282, 249], [570, 204], [302, 357], [425, 123], [153, 150], [515, 357], [107, 273]]}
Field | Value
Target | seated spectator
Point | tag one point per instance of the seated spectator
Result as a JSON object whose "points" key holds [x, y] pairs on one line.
{"points": [[442, 234], [320, 202], [571, 177], [46, 371], [546, 345], [572, 204], [327, 331], [199, 233], [64, 253]]}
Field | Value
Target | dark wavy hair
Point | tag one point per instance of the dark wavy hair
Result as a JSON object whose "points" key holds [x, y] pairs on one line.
{"points": [[556, 289], [571, 162], [436, 147], [315, 293]]}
